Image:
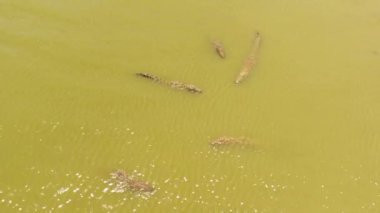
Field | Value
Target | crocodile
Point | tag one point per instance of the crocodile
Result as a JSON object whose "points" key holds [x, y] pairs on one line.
{"points": [[189, 87], [251, 60], [226, 141], [218, 46], [125, 181], [173, 84], [149, 76]]}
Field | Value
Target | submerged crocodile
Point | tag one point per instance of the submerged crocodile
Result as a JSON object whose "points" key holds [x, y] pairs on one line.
{"points": [[173, 84], [125, 181], [218, 46], [226, 141], [250, 62]]}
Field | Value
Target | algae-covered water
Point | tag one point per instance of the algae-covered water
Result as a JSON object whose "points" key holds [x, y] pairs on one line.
{"points": [[72, 109]]}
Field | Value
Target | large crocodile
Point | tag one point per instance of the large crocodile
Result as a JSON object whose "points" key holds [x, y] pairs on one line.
{"points": [[250, 62], [173, 84], [125, 181]]}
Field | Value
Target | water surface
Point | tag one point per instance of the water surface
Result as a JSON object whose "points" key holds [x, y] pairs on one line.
{"points": [[72, 110]]}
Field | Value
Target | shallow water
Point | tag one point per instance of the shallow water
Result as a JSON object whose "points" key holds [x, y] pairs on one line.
{"points": [[72, 111]]}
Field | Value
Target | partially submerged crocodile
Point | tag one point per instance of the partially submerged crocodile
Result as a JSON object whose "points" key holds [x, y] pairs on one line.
{"points": [[173, 84], [189, 87], [148, 76], [227, 141], [125, 181], [218, 46], [250, 62]]}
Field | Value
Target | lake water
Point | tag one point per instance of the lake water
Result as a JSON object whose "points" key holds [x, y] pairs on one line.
{"points": [[72, 109]]}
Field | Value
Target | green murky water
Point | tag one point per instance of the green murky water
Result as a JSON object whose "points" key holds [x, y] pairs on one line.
{"points": [[72, 110]]}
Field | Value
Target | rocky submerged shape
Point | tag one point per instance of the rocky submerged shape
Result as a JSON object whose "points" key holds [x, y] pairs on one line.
{"points": [[126, 182]]}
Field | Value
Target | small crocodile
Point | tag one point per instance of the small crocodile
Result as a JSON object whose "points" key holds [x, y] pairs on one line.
{"points": [[250, 62], [218, 46], [125, 181]]}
